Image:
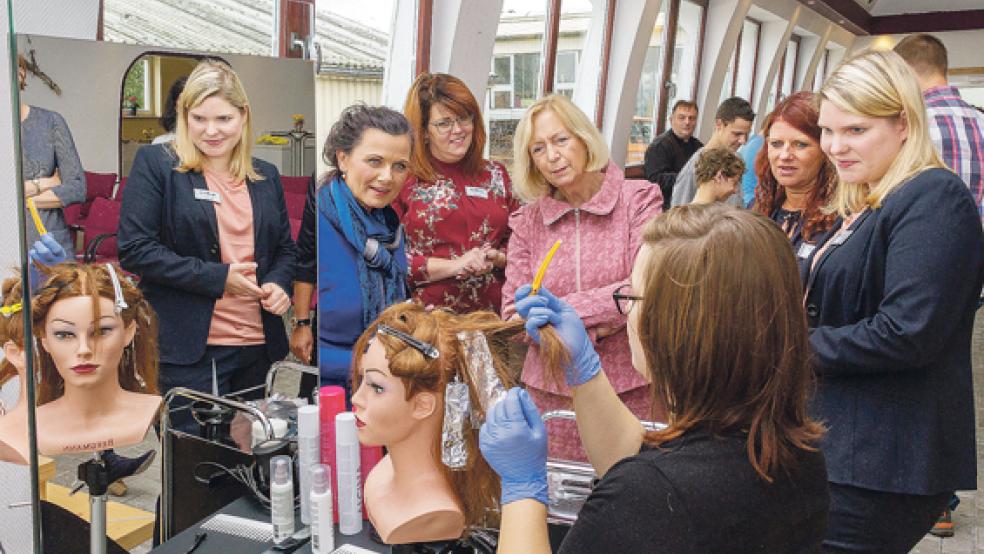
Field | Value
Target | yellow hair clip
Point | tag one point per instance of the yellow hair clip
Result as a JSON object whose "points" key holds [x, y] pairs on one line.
{"points": [[12, 309]]}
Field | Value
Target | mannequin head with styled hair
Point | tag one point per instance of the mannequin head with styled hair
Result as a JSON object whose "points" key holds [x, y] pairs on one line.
{"points": [[399, 398], [11, 330], [136, 371]]}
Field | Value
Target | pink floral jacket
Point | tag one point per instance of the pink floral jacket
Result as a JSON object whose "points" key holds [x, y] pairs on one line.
{"points": [[600, 241]]}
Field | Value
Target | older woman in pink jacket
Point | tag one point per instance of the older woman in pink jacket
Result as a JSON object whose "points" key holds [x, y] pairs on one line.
{"points": [[574, 193]]}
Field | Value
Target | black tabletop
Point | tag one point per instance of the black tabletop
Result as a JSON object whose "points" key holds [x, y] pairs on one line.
{"points": [[221, 543]]}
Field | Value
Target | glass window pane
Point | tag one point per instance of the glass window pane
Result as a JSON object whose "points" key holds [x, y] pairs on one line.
{"points": [[501, 71], [566, 67], [746, 60], [729, 79], [647, 95], [514, 82], [575, 18], [789, 70], [688, 35]]}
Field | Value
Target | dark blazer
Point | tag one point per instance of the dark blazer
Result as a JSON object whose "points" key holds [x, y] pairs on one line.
{"points": [[891, 312], [170, 240]]}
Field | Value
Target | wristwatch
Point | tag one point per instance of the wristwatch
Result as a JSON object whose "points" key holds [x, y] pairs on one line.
{"points": [[306, 322]]}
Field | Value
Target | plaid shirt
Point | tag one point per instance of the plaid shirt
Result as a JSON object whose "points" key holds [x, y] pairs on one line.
{"points": [[956, 128]]}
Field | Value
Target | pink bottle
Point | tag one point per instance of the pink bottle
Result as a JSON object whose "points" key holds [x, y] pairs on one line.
{"points": [[331, 400]]}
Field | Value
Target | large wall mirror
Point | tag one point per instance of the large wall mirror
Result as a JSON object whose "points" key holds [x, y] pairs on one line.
{"points": [[89, 112]]}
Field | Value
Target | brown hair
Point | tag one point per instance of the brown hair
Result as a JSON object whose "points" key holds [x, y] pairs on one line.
{"points": [[724, 332], [453, 94], [683, 104], [712, 160], [924, 53], [800, 112], [11, 326], [69, 280], [476, 487]]}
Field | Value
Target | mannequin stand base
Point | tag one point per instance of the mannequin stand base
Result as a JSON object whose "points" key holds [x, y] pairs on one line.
{"points": [[95, 475]]}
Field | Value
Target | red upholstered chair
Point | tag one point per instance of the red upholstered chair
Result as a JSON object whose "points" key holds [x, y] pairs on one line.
{"points": [[97, 185], [100, 231], [295, 211], [295, 185]]}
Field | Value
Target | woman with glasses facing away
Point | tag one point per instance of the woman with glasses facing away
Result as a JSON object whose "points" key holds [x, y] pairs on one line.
{"points": [[576, 195], [455, 208], [716, 325]]}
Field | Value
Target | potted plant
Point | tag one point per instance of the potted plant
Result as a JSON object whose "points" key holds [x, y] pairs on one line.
{"points": [[132, 104]]}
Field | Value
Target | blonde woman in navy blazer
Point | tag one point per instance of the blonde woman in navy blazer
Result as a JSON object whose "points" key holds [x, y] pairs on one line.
{"points": [[890, 298], [170, 235]]}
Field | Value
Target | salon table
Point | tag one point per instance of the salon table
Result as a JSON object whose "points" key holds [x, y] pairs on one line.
{"points": [[221, 543]]}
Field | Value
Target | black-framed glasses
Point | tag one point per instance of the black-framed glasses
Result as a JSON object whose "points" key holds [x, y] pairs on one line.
{"points": [[445, 125], [424, 348], [624, 302]]}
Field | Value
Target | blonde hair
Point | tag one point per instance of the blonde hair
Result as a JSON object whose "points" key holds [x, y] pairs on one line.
{"points": [[528, 183], [214, 78], [880, 84]]}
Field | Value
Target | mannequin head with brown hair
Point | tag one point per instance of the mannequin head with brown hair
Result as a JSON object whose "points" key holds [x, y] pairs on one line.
{"points": [[134, 367], [11, 330], [13, 419], [97, 356], [399, 403]]}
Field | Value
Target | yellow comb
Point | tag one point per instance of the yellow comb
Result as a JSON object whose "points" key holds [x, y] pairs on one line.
{"points": [[37, 218], [541, 272]]}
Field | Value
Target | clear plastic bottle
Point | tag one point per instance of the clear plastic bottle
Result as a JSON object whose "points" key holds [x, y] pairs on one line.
{"points": [[322, 524], [281, 498]]}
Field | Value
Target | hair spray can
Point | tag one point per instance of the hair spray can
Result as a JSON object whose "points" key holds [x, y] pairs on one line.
{"points": [[308, 454], [349, 488]]}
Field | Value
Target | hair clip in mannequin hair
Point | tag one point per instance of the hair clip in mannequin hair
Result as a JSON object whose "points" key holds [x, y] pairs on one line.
{"points": [[120, 304], [9, 311], [424, 348], [457, 407]]}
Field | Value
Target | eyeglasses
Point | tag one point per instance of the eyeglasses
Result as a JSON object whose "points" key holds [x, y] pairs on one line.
{"points": [[445, 125], [424, 348], [624, 302]]}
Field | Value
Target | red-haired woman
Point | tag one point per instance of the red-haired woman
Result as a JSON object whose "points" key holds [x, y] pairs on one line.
{"points": [[456, 207], [795, 177]]}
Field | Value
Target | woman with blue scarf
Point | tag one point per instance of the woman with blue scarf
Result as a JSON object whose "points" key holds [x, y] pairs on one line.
{"points": [[362, 264]]}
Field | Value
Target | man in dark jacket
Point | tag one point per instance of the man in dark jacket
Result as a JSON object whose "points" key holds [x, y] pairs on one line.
{"points": [[670, 151]]}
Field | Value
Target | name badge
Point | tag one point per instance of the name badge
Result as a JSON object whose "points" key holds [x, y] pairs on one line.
{"points": [[205, 194], [805, 250], [477, 192], [841, 238]]}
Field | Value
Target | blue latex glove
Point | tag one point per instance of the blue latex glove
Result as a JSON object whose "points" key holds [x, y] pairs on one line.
{"points": [[514, 442], [47, 251], [543, 308]]}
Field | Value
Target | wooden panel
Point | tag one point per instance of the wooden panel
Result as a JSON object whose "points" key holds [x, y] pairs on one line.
{"points": [[126, 525]]}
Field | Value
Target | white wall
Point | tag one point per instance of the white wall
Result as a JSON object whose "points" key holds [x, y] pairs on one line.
{"points": [[90, 74], [963, 48]]}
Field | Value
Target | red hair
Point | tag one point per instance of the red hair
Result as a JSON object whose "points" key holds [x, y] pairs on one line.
{"points": [[799, 111], [453, 94]]}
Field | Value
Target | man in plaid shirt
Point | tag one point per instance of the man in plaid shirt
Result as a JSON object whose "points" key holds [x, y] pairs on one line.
{"points": [[955, 126]]}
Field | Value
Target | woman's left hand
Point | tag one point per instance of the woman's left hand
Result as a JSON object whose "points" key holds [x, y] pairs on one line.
{"points": [[514, 442], [274, 300]]}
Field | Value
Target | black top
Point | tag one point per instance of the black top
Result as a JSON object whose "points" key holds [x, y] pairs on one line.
{"points": [[891, 306], [699, 493], [306, 269], [665, 157]]}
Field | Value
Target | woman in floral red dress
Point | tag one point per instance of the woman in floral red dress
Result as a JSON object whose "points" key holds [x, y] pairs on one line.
{"points": [[455, 209]]}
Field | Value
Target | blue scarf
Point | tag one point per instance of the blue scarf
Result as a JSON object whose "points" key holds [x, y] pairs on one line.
{"points": [[378, 236]]}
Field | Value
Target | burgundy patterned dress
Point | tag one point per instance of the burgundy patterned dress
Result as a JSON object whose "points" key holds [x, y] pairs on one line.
{"points": [[447, 218]]}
